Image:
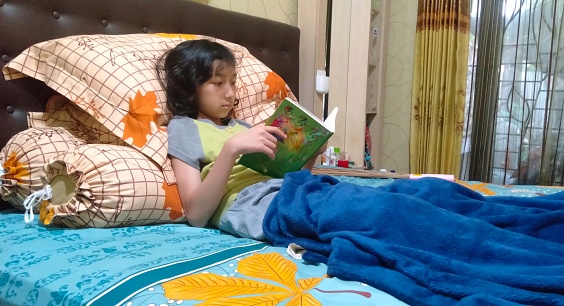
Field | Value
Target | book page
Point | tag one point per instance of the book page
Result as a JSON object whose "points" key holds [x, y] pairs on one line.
{"points": [[331, 120]]}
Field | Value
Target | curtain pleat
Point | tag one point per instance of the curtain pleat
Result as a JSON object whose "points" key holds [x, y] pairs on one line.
{"points": [[439, 86], [487, 85]]}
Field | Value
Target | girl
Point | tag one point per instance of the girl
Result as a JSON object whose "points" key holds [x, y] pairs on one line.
{"points": [[204, 142], [411, 238]]}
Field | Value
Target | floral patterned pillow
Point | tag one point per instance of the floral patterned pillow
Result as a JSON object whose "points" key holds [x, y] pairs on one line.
{"points": [[113, 78], [98, 185], [62, 126], [23, 158], [89, 177], [61, 112]]}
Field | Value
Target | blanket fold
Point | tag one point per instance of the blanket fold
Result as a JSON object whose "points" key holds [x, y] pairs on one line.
{"points": [[427, 241]]}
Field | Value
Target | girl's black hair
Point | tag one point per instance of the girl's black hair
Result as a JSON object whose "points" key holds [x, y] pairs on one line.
{"points": [[185, 67]]}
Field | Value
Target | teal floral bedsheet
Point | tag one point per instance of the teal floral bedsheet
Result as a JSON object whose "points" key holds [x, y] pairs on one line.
{"points": [[486, 189], [174, 264], [160, 265]]}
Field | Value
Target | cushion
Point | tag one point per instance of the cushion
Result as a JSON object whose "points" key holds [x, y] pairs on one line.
{"points": [[112, 77], [61, 112], [23, 158], [99, 185]]}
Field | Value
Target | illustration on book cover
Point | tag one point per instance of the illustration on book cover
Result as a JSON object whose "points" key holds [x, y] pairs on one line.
{"points": [[305, 134], [300, 134]]}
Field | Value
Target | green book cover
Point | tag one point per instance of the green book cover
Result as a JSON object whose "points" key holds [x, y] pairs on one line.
{"points": [[305, 135]]}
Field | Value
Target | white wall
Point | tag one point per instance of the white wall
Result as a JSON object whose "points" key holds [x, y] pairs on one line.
{"points": [[279, 10], [399, 74]]}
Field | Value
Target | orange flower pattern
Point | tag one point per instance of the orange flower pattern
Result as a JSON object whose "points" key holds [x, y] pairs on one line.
{"points": [[280, 284], [276, 86], [172, 201], [177, 35], [46, 213], [479, 187], [14, 169], [142, 112]]}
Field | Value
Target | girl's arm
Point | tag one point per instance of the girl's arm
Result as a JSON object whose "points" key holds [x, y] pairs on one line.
{"points": [[201, 198]]}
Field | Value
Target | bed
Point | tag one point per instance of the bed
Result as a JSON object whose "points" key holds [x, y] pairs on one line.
{"points": [[120, 253], [122, 264]]}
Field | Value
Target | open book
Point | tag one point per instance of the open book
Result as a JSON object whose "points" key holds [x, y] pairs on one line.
{"points": [[305, 135]]}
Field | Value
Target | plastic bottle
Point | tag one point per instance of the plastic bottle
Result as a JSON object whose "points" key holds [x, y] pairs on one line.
{"points": [[325, 157], [335, 156], [329, 153]]}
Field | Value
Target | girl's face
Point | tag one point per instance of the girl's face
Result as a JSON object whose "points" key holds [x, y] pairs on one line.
{"points": [[217, 95]]}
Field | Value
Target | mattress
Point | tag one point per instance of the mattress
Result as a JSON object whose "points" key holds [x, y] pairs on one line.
{"points": [[134, 265], [173, 264]]}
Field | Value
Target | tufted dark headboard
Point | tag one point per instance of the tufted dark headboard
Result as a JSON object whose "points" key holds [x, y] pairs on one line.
{"points": [[25, 22]]}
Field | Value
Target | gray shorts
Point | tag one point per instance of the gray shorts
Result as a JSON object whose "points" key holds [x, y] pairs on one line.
{"points": [[244, 217]]}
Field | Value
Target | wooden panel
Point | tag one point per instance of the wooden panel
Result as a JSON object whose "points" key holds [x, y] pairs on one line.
{"points": [[349, 87], [339, 67], [357, 80], [380, 87]]}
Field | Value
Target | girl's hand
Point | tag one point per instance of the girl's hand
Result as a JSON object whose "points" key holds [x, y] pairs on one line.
{"points": [[256, 139], [322, 149]]}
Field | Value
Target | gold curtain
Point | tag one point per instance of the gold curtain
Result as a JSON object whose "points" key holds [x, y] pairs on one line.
{"points": [[439, 86]]}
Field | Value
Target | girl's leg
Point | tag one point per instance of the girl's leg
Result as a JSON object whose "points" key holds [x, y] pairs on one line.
{"points": [[244, 217]]}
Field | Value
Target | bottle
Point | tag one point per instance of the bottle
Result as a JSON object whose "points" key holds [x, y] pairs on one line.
{"points": [[326, 157], [335, 156], [330, 152], [343, 160]]}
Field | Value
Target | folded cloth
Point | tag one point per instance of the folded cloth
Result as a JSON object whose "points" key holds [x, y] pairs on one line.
{"points": [[427, 241]]}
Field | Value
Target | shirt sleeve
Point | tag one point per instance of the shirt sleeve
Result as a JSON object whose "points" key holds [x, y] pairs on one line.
{"points": [[184, 141]]}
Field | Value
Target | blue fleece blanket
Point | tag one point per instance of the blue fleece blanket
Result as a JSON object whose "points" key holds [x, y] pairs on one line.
{"points": [[427, 241]]}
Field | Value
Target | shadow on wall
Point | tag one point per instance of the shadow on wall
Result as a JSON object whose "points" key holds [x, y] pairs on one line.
{"points": [[285, 11]]}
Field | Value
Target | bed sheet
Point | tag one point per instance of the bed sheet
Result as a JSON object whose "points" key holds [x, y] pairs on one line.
{"points": [[134, 265], [486, 189]]}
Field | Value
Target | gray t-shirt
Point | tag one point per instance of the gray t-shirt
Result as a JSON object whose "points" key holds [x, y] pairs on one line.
{"points": [[185, 136], [198, 143]]}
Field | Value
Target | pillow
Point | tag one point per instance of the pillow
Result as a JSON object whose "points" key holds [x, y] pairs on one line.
{"points": [[23, 158], [61, 112], [112, 77], [98, 185]]}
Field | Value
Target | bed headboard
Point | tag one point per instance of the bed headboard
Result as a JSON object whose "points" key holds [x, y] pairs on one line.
{"points": [[26, 22]]}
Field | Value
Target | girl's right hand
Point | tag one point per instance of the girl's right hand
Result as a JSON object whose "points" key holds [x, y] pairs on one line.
{"points": [[256, 139]]}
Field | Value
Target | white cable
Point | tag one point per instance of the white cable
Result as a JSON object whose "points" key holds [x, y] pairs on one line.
{"points": [[33, 200]]}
